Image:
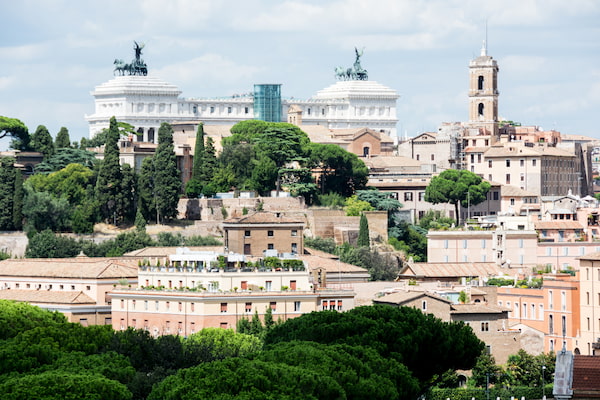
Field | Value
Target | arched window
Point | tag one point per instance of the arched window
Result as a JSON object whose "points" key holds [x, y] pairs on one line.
{"points": [[366, 151], [480, 108], [480, 82], [151, 135], [550, 324]]}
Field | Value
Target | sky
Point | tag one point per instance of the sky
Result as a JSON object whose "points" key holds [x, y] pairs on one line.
{"points": [[53, 53]]}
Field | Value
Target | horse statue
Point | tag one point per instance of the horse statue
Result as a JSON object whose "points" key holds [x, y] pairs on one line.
{"points": [[137, 66], [120, 67], [354, 73]]}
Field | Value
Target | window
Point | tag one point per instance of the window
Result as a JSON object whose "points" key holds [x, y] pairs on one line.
{"points": [[212, 110], [533, 162], [521, 163], [247, 248], [495, 195], [268, 285], [192, 307], [508, 179], [180, 306], [246, 110], [424, 305], [485, 326], [563, 301], [332, 305], [296, 306], [294, 232], [122, 304], [325, 304], [339, 305], [480, 81], [445, 243], [168, 305], [223, 325], [564, 324], [432, 157], [270, 246], [248, 308], [508, 163], [228, 110], [512, 202], [156, 305], [532, 311], [292, 285], [408, 196], [551, 324], [246, 233], [273, 305], [480, 109], [88, 287], [489, 163], [294, 248], [270, 233], [421, 196], [223, 307], [550, 300], [464, 244], [133, 304]]}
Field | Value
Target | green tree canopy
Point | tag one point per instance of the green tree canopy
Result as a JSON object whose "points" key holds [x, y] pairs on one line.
{"points": [[238, 378], [47, 244], [64, 157], [108, 184], [19, 132], [41, 141], [340, 171], [360, 370], [63, 140], [167, 180], [457, 187], [426, 345], [363, 232], [7, 191]]}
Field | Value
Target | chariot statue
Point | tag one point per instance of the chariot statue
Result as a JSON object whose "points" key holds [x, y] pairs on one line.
{"points": [[136, 67], [355, 73]]}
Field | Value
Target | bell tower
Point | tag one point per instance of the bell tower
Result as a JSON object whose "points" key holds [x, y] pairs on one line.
{"points": [[483, 94]]}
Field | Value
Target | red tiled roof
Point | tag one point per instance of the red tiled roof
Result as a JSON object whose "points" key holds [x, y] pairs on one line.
{"points": [[586, 374], [558, 225]]}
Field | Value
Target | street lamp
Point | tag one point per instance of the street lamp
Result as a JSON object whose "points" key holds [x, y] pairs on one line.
{"points": [[543, 382]]}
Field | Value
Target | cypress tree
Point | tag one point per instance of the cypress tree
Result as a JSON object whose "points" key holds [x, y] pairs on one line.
{"points": [[145, 190], [63, 140], [193, 187], [41, 141], [167, 179], [363, 232], [7, 189], [18, 201], [108, 184]]}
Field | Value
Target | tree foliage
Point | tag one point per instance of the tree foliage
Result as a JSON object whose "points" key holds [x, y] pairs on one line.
{"points": [[108, 184], [8, 178], [426, 345], [63, 140], [41, 141], [47, 244], [19, 132], [363, 232], [457, 187], [167, 181], [64, 157]]}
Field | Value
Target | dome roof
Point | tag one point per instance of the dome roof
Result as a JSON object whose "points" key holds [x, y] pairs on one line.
{"points": [[356, 89], [136, 84]]}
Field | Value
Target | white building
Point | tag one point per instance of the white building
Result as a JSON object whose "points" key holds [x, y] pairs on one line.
{"points": [[147, 101]]}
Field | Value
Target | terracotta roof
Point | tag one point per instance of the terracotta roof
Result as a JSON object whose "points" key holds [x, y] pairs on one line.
{"points": [[46, 296], [476, 308], [330, 264], [586, 373], [401, 298], [167, 251], [519, 150], [263, 217], [309, 251], [78, 267], [452, 270], [557, 225], [514, 191], [391, 161]]}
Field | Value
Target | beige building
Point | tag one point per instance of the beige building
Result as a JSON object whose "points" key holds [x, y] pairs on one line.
{"points": [[488, 321], [77, 287], [589, 277], [191, 290], [264, 231], [508, 248]]}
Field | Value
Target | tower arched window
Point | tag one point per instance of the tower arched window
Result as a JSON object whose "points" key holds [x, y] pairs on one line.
{"points": [[480, 109], [366, 151], [480, 81]]}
